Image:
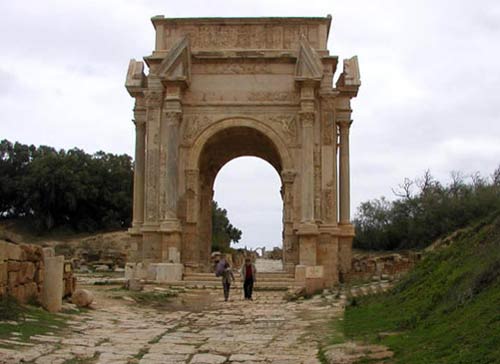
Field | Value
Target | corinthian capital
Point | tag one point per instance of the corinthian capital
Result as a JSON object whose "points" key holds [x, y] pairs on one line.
{"points": [[154, 98], [307, 119], [173, 117]]}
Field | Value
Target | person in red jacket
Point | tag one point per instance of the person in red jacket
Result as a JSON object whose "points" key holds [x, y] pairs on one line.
{"points": [[248, 273]]}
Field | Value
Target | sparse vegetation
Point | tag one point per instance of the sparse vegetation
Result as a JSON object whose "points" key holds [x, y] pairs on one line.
{"points": [[29, 321], [154, 299], [424, 211]]}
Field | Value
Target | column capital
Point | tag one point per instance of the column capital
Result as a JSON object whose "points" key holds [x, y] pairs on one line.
{"points": [[154, 98], [173, 117], [344, 124], [139, 123], [307, 118]]}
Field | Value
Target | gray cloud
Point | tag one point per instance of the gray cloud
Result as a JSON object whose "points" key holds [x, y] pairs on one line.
{"points": [[428, 100]]}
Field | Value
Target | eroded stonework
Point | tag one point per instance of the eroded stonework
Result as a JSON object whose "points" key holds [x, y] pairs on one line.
{"points": [[221, 88]]}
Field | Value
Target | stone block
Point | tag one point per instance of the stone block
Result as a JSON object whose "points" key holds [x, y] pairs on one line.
{"points": [[31, 292], [141, 271], [13, 279], [130, 270], [314, 285], [300, 273], [13, 266], [27, 272], [316, 271], [69, 285], [135, 285], [53, 283], [150, 270], [33, 253], [48, 252], [174, 255], [3, 251], [39, 273], [14, 252], [4, 275], [307, 250], [168, 272], [82, 298]]}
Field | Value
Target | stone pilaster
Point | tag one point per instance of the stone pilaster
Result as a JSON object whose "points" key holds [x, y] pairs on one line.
{"points": [[328, 163], [289, 250], [308, 230], [307, 173], [344, 126], [170, 224], [154, 98], [172, 116]]}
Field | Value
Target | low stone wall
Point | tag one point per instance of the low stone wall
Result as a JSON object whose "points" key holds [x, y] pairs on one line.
{"points": [[22, 272], [376, 266]]}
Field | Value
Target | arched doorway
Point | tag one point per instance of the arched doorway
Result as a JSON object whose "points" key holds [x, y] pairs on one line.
{"points": [[229, 140], [249, 188]]}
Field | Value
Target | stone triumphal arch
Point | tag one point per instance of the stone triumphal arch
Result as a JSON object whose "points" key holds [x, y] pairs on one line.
{"points": [[221, 88]]}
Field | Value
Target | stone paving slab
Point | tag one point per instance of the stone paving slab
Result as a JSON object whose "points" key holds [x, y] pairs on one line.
{"points": [[266, 330]]}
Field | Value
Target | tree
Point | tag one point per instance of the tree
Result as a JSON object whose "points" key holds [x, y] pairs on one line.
{"points": [[415, 220], [223, 232], [65, 188]]}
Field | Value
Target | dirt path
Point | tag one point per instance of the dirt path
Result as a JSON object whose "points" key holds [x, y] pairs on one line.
{"points": [[197, 327]]}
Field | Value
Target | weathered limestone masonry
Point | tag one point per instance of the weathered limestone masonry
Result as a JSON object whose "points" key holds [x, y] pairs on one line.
{"points": [[392, 266], [21, 271], [30, 272], [221, 88]]}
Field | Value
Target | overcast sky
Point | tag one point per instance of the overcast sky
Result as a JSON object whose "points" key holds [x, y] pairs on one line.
{"points": [[430, 94]]}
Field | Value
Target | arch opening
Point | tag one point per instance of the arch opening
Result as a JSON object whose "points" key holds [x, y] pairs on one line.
{"points": [[250, 190], [221, 149]]}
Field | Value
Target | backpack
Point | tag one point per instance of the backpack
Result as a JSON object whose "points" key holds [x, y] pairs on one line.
{"points": [[219, 268]]}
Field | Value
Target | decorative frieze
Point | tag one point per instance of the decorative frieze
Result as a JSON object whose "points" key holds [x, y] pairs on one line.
{"points": [[239, 68], [267, 96], [247, 36]]}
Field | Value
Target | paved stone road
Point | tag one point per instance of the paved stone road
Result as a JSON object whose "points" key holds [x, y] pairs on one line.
{"points": [[266, 330]]}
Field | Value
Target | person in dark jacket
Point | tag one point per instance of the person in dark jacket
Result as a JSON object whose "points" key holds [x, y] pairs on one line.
{"points": [[248, 275], [227, 278]]}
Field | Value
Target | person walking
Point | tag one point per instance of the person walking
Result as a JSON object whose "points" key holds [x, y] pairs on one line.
{"points": [[227, 278], [248, 273]]}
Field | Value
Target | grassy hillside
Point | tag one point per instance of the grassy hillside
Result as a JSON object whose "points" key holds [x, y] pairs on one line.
{"points": [[445, 311]]}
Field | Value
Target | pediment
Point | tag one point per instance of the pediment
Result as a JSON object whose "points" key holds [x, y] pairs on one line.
{"points": [[308, 66], [176, 66]]}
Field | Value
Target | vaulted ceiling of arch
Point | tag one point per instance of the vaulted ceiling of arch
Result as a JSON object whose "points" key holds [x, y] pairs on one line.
{"points": [[233, 143]]}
